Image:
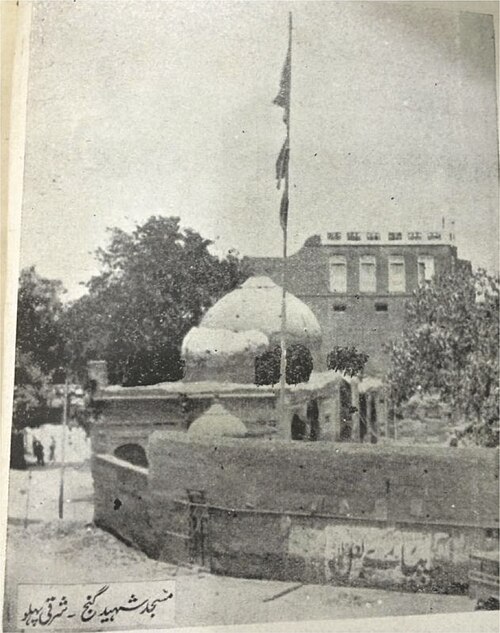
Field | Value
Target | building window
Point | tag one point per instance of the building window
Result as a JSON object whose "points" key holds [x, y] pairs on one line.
{"points": [[334, 236], [397, 276], [434, 236], [339, 308], [425, 269], [353, 236], [395, 236], [381, 307], [338, 274], [373, 236], [414, 235], [367, 274]]}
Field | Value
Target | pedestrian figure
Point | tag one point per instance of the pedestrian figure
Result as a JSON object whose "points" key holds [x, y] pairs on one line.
{"points": [[39, 453], [52, 449]]}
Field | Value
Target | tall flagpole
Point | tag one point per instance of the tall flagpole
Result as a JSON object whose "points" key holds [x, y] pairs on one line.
{"points": [[284, 223]]}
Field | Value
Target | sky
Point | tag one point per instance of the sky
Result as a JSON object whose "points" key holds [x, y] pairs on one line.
{"points": [[138, 108]]}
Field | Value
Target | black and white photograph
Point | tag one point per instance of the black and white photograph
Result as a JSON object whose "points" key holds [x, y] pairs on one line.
{"points": [[251, 306]]}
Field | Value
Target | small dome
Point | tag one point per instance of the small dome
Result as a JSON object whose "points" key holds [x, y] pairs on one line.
{"points": [[217, 422], [256, 305]]}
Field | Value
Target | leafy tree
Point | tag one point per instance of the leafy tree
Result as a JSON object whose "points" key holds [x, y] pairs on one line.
{"points": [[450, 348], [347, 360], [299, 365], [31, 388], [267, 367], [39, 310], [155, 284], [39, 346]]}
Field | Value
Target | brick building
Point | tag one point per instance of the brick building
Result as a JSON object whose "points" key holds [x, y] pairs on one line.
{"points": [[357, 283]]}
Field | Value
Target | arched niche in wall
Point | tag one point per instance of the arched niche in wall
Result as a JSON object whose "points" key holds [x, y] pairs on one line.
{"points": [[313, 419], [363, 419], [373, 418], [299, 428], [132, 453], [346, 412]]}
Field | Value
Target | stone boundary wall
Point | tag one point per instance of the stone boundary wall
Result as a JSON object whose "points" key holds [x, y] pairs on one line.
{"points": [[393, 483], [122, 500], [332, 550], [383, 516]]}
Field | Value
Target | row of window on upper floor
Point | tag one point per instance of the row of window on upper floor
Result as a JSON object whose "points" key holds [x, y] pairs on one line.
{"points": [[368, 273]]}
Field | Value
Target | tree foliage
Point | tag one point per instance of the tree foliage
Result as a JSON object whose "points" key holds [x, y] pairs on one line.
{"points": [[347, 360], [39, 310], [40, 350], [299, 365], [155, 284], [31, 388], [450, 347]]}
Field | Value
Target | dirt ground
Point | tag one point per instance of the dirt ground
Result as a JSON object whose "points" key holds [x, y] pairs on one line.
{"points": [[42, 548]]}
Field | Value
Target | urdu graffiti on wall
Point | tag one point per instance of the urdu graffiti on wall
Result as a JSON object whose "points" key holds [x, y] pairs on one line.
{"points": [[395, 556]]}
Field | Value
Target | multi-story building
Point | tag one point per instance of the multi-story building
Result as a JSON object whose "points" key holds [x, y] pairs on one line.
{"points": [[357, 283]]}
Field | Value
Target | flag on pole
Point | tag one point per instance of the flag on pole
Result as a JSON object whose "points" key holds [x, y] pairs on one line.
{"points": [[283, 101], [283, 98], [282, 164], [284, 210]]}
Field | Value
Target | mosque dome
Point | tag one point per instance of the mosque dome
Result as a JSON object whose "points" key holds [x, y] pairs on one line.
{"points": [[256, 305], [222, 355], [204, 344], [217, 422]]}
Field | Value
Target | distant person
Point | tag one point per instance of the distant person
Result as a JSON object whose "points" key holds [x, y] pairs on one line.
{"points": [[52, 449], [39, 453]]}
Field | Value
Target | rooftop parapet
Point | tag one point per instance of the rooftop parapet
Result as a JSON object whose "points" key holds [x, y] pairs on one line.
{"points": [[385, 237]]}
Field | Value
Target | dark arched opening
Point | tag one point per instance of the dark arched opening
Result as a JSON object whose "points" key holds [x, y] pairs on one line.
{"points": [[345, 412], [298, 428], [132, 453], [373, 420], [313, 419], [362, 417]]}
